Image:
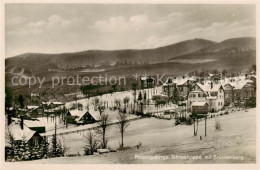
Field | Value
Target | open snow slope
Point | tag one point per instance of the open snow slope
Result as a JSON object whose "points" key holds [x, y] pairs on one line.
{"points": [[236, 142]]}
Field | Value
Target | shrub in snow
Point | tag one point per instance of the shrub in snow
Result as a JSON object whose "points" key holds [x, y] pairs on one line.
{"points": [[217, 125]]}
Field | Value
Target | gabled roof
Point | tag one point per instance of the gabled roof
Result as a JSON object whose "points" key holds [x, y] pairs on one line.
{"points": [[182, 82], [241, 84], [207, 87], [77, 112], [169, 81], [30, 123], [80, 113], [33, 123], [94, 114], [20, 134]]}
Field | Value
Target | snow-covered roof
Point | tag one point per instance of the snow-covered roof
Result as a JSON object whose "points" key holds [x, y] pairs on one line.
{"points": [[192, 79], [178, 81], [94, 114], [57, 103], [146, 77], [199, 103], [207, 87], [18, 133], [46, 102], [181, 82], [169, 81], [32, 107], [22, 109], [80, 113], [48, 110], [33, 123], [30, 123], [77, 112], [241, 84]]}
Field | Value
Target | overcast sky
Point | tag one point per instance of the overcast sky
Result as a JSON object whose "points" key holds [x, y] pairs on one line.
{"points": [[49, 28]]}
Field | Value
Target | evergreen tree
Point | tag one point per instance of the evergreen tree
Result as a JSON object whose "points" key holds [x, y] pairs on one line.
{"points": [[8, 99], [54, 142], [22, 150], [175, 94], [140, 97], [44, 149], [21, 101], [16, 153], [145, 96], [27, 152]]}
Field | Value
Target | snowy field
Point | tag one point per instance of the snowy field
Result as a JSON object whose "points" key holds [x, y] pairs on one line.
{"points": [[109, 98], [235, 143]]}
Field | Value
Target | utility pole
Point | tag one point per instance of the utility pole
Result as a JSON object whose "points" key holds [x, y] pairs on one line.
{"points": [[55, 141], [206, 125]]}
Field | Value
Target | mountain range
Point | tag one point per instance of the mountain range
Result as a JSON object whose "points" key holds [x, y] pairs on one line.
{"points": [[235, 51]]}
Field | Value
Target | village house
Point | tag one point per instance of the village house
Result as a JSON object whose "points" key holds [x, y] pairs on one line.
{"points": [[147, 82], [168, 87], [211, 93], [229, 93], [83, 116], [51, 104], [21, 132], [239, 89], [183, 85], [32, 111]]}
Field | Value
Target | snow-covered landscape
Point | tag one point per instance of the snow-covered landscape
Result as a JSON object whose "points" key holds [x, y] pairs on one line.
{"points": [[160, 137], [137, 83]]}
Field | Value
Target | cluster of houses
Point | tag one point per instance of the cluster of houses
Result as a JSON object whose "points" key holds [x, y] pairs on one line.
{"points": [[211, 92], [25, 128], [207, 94], [23, 125]]}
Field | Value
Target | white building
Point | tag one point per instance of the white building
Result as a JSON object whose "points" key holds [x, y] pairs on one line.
{"points": [[211, 93]]}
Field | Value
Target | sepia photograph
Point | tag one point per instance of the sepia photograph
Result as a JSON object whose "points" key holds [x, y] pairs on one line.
{"points": [[130, 83]]}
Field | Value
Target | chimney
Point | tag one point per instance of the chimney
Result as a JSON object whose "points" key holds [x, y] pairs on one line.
{"points": [[211, 85], [9, 119], [21, 123]]}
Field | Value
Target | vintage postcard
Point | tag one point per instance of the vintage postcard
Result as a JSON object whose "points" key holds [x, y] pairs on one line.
{"points": [[130, 83]]}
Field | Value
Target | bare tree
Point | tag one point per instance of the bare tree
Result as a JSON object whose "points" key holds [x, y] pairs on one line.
{"points": [[91, 143], [126, 101], [101, 109], [103, 123], [118, 103], [123, 123]]}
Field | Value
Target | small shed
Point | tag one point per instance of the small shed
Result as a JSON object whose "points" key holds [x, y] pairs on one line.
{"points": [[199, 107]]}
